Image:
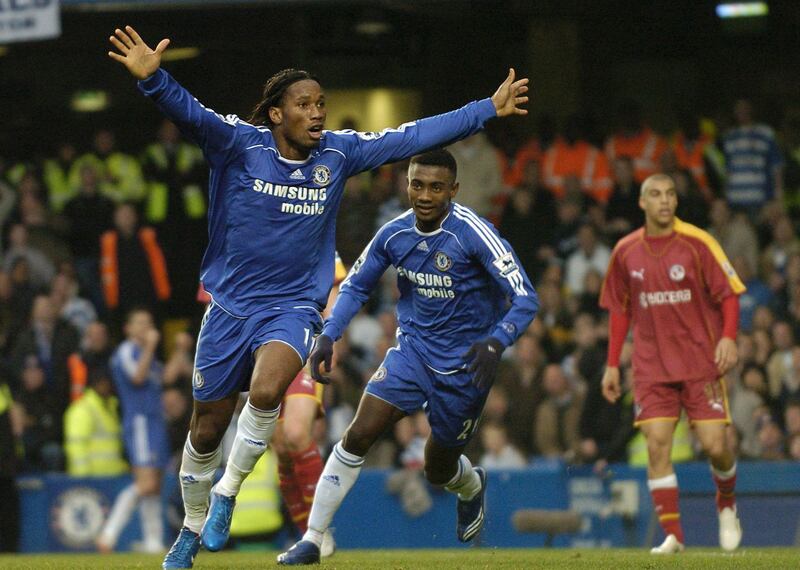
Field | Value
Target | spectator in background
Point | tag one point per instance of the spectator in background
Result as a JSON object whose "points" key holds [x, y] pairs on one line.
{"points": [[41, 270], [499, 453], [783, 367], [520, 376], [91, 359], [479, 176], [51, 340], [527, 222], [633, 139], [179, 367], [88, 215], [133, 268], [73, 309], [753, 162], [17, 294], [572, 155], [784, 244], [771, 439], [590, 255], [55, 173], [93, 431], [791, 417], [696, 153], [692, 206], [568, 221], [622, 210], [42, 410], [44, 230], [735, 234], [757, 294], [749, 396], [120, 174], [175, 205], [557, 426]]}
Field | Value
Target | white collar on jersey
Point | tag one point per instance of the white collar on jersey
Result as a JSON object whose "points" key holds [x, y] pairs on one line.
{"points": [[434, 232]]}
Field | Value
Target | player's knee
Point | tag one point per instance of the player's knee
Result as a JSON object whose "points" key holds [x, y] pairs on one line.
{"points": [[206, 437], [658, 451], [265, 395], [715, 448], [296, 436], [357, 441]]}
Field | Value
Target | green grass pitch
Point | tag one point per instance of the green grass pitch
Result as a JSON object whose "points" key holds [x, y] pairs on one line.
{"points": [[466, 559]]}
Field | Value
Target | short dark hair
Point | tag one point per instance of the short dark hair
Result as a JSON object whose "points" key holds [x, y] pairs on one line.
{"points": [[437, 157], [274, 90]]}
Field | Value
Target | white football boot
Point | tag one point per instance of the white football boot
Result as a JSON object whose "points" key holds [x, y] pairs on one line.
{"points": [[730, 531], [669, 546]]}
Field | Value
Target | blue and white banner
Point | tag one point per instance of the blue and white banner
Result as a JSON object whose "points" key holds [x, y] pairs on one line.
{"points": [[26, 20]]}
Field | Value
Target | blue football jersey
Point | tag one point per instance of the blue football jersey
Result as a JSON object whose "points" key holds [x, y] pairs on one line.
{"points": [[142, 399], [272, 220], [458, 284]]}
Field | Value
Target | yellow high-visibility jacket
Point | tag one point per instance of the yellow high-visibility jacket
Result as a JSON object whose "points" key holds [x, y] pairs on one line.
{"points": [[93, 437]]}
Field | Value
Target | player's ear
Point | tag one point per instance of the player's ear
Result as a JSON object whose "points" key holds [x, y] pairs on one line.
{"points": [[641, 202], [453, 190], [275, 115]]}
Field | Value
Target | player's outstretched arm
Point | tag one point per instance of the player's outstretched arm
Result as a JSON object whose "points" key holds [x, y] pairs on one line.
{"points": [[510, 95], [610, 384], [140, 60]]}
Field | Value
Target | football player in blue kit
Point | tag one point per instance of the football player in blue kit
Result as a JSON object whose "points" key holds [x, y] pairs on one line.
{"points": [[464, 298], [275, 185]]}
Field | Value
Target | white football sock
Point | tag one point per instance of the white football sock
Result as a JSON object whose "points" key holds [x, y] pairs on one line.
{"points": [[338, 477], [196, 476], [253, 432], [465, 483], [121, 512], [152, 523]]}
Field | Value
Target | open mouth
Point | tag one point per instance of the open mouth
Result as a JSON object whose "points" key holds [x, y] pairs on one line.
{"points": [[315, 132]]}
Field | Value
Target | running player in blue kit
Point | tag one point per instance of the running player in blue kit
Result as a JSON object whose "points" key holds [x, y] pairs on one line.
{"points": [[464, 298], [274, 189]]}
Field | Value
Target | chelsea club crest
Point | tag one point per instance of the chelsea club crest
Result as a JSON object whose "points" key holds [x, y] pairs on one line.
{"points": [[321, 174], [442, 261]]}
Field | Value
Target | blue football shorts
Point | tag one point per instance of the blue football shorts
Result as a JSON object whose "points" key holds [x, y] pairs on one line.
{"points": [[451, 401], [146, 440], [226, 345]]}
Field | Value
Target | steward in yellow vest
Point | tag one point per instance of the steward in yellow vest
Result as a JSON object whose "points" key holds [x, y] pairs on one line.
{"points": [[93, 432]]}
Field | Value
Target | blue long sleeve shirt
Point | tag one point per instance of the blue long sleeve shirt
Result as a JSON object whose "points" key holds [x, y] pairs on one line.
{"points": [[458, 284], [272, 220]]}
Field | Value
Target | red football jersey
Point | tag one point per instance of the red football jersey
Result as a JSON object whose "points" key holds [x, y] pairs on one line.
{"points": [[671, 287]]}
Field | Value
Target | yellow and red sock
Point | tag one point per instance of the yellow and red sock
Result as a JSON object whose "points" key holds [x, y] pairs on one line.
{"points": [[726, 486], [292, 496], [664, 492]]}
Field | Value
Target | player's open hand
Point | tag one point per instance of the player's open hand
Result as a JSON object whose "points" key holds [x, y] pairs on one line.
{"points": [[510, 95], [610, 384], [726, 355], [137, 56], [322, 352], [483, 356]]}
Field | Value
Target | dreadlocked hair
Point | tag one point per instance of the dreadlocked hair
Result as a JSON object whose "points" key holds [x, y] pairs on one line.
{"points": [[274, 90]]}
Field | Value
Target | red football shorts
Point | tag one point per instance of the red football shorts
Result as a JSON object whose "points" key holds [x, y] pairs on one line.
{"points": [[703, 400], [304, 386]]}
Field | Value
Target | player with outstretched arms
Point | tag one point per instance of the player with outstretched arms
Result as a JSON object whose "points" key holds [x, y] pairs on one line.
{"points": [[275, 186], [464, 298], [674, 284]]}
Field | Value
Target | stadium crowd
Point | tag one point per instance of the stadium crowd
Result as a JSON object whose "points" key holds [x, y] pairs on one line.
{"points": [[90, 234]]}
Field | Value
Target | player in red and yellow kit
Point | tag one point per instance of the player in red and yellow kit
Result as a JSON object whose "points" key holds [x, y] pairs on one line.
{"points": [[299, 462], [673, 282]]}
